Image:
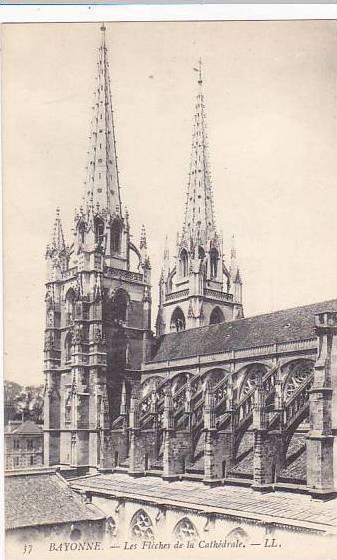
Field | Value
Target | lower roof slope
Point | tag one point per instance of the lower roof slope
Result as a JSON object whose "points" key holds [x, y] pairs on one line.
{"points": [[286, 325], [291, 509], [42, 498], [25, 428]]}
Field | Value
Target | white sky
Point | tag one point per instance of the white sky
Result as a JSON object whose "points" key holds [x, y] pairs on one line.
{"points": [[270, 92]]}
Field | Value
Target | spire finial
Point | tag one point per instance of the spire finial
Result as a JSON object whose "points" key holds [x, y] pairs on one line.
{"points": [[200, 71], [233, 248], [103, 29]]}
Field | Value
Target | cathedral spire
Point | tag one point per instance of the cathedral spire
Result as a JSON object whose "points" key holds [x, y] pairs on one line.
{"points": [[199, 214], [102, 184]]}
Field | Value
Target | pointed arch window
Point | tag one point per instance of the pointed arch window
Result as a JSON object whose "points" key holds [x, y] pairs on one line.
{"points": [[81, 231], [68, 346], [116, 309], [116, 237], [216, 316], [111, 527], [70, 306], [183, 263], [99, 232], [141, 527], [185, 531], [237, 534], [67, 408], [214, 256], [178, 322], [201, 252]]}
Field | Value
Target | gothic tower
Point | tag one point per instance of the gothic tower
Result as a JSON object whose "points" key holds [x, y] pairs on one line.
{"points": [[98, 310], [199, 290]]}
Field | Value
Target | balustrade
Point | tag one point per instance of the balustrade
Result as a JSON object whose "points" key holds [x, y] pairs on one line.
{"points": [[124, 274], [177, 295], [223, 296], [70, 272]]}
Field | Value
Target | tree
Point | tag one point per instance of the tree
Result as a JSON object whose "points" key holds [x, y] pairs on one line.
{"points": [[29, 403]]}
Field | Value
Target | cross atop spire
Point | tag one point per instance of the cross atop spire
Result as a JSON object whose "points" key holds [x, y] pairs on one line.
{"points": [[199, 215], [200, 73], [102, 184]]}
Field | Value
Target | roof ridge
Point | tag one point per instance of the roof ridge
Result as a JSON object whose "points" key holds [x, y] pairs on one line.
{"points": [[291, 324], [252, 317], [284, 310]]}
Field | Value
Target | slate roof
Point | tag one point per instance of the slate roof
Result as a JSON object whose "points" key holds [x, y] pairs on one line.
{"points": [[27, 428], [43, 497], [280, 507], [286, 325]]}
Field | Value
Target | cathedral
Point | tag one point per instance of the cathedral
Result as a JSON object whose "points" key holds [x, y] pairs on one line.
{"points": [[212, 399]]}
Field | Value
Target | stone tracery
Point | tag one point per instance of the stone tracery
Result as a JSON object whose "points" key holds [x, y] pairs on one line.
{"points": [[185, 531], [141, 526]]}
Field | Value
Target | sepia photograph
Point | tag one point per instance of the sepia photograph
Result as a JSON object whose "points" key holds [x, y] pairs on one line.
{"points": [[170, 274]]}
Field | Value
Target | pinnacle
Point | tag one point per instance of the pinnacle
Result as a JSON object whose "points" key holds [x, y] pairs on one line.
{"points": [[143, 242], [57, 242]]}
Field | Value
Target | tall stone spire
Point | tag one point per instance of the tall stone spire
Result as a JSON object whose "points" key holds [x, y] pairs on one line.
{"points": [[102, 184], [199, 214], [199, 290]]}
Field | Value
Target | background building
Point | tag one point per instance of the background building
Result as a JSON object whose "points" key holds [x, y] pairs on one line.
{"points": [[23, 445]]}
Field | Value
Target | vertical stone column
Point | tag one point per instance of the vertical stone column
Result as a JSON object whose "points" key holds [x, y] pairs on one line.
{"points": [[321, 468], [210, 477], [261, 468], [52, 401], [51, 428], [278, 405], [169, 470], [147, 336], [80, 426], [99, 414], [123, 407], [136, 467]]}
